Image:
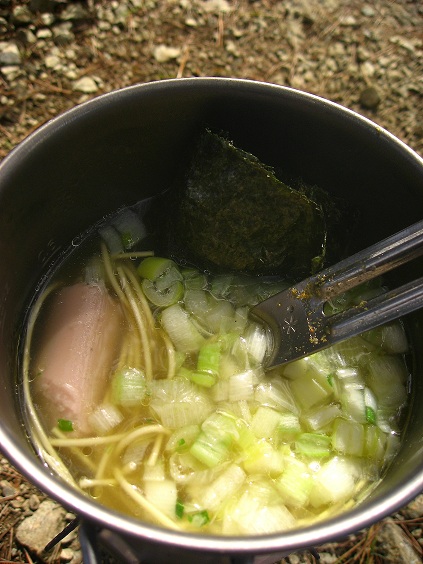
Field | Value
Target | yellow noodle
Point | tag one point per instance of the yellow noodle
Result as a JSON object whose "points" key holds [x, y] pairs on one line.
{"points": [[140, 294], [76, 452], [108, 266], [85, 483], [136, 495], [134, 254], [87, 441], [139, 432], [156, 451], [140, 324], [171, 358]]}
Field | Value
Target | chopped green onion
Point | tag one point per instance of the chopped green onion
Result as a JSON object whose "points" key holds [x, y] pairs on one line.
{"points": [[213, 444], [179, 509], [330, 378], [154, 267], [209, 358], [210, 450], [203, 379], [162, 298], [65, 425], [370, 415], [199, 519], [313, 445]]}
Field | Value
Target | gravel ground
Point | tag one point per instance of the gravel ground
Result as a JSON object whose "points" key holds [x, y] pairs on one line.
{"points": [[55, 54]]}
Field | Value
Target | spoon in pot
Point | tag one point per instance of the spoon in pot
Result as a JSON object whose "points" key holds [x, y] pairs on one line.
{"points": [[296, 317]]}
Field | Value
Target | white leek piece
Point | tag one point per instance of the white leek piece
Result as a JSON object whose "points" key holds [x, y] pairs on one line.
{"points": [[252, 516], [387, 379], [334, 482], [262, 458], [130, 227], [265, 422], [162, 494], [225, 486], [129, 387], [295, 483], [322, 416], [105, 418], [241, 386], [276, 393], [311, 389], [181, 330], [348, 437]]}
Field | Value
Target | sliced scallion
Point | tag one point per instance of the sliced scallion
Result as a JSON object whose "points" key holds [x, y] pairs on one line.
{"points": [[199, 519], [208, 359], [165, 297], [179, 509], [65, 425]]}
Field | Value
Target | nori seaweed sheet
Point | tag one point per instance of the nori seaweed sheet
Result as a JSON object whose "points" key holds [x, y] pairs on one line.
{"points": [[234, 214]]}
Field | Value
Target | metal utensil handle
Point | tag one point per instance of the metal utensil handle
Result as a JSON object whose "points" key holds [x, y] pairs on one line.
{"points": [[379, 310], [377, 259]]}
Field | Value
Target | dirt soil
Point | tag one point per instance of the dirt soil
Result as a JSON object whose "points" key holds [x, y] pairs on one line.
{"points": [[55, 54]]}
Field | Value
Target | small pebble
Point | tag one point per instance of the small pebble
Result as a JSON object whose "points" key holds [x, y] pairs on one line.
{"points": [[368, 11], [369, 98], [7, 489], [86, 84], [66, 554], [9, 54], [34, 502], [163, 53]]}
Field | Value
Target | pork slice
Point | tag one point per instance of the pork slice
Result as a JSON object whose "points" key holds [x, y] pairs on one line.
{"points": [[78, 347]]}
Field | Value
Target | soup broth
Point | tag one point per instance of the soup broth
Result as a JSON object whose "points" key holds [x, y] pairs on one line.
{"points": [[145, 388]]}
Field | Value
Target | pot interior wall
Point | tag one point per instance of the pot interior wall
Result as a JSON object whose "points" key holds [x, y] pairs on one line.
{"points": [[128, 145]]}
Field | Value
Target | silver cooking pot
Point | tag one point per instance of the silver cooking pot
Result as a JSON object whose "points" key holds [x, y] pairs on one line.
{"points": [[134, 143]]}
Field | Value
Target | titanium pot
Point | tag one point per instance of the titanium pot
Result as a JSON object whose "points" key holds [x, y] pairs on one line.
{"points": [[133, 143]]}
